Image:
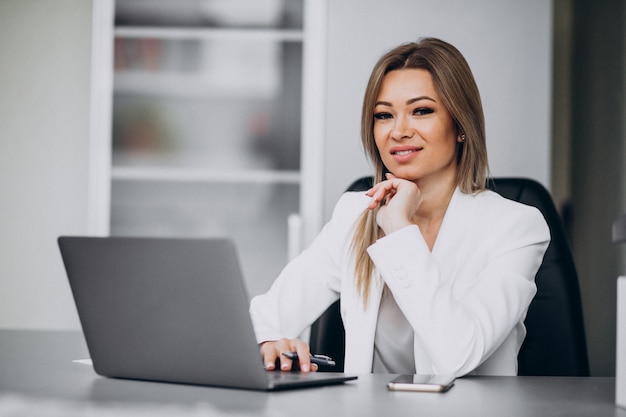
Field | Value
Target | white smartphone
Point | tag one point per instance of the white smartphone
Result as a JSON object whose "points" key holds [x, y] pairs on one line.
{"points": [[422, 383]]}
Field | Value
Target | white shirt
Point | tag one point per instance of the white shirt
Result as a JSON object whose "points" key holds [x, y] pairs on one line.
{"points": [[393, 344]]}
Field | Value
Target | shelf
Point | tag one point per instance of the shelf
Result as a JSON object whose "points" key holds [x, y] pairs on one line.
{"points": [[197, 126], [181, 33], [192, 85], [198, 62], [161, 174]]}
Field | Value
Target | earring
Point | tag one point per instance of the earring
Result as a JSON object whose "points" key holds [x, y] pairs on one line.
{"points": [[463, 137]]}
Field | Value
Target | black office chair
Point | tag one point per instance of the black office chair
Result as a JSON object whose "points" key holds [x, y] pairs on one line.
{"points": [[555, 344]]}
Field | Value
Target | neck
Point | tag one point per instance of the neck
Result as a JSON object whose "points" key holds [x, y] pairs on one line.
{"points": [[429, 216], [437, 196]]}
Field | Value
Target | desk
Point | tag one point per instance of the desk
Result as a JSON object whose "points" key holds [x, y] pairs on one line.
{"points": [[38, 377]]}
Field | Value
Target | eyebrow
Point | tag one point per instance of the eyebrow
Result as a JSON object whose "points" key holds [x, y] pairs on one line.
{"points": [[408, 102]]}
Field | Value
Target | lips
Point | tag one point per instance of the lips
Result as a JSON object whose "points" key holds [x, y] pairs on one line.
{"points": [[404, 153], [404, 150]]}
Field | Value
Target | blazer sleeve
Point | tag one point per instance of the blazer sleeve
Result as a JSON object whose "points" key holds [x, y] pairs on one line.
{"points": [[461, 317], [310, 282]]}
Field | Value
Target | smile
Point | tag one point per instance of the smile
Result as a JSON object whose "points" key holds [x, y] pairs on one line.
{"points": [[404, 150], [408, 151], [404, 154]]}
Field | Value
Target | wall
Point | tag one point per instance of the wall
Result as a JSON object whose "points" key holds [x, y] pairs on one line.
{"points": [[44, 116], [597, 177], [44, 79], [507, 44]]}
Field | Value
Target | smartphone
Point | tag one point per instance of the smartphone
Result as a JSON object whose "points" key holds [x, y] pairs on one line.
{"points": [[422, 383]]}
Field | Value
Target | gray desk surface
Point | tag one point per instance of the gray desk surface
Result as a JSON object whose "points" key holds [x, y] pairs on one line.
{"points": [[38, 377]]}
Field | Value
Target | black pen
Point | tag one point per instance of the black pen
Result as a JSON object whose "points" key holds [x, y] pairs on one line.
{"points": [[316, 359]]}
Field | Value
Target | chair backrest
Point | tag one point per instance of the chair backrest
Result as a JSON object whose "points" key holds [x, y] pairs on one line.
{"points": [[555, 344]]}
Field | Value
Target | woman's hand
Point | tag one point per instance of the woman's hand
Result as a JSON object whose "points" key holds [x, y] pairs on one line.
{"points": [[272, 351], [400, 200]]}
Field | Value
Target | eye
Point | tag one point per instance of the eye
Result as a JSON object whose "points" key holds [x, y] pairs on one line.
{"points": [[382, 116], [422, 111]]}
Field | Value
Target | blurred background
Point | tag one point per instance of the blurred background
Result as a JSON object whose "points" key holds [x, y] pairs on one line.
{"points": [[240, 118]]}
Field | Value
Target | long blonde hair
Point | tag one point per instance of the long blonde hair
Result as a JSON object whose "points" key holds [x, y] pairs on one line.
{"points": [[459, 94]]}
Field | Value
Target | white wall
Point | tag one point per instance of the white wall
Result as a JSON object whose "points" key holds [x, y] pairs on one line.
{"points": [[44, 127], [507, 44], [44, 117]]}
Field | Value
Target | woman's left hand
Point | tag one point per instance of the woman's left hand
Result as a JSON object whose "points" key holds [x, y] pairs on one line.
{"points": [[400, 200]]}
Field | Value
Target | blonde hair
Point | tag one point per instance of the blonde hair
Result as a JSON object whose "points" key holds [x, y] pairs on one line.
{"points": [[455, 84]]}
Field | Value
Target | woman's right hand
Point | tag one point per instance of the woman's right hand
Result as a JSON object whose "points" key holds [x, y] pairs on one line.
{"points": [[399, 200], [271, 351]]}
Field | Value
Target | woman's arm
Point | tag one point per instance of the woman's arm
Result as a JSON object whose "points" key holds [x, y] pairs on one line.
{"points": [[306, 286], [461, 320]]}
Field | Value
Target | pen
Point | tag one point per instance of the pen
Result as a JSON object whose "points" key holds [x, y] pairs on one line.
{"points": [[316, 359]]}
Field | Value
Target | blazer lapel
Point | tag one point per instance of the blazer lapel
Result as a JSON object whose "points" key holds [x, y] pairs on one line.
{"points": [[454, 227]]}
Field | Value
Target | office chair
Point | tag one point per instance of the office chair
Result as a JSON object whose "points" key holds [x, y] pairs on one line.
{"points": [[555, 343]]}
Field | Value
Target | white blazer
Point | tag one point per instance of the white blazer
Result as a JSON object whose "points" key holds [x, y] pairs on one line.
{"points": [[466, 300]]}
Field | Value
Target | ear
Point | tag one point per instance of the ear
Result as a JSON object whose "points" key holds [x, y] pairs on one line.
{"points": [[460, 138]]}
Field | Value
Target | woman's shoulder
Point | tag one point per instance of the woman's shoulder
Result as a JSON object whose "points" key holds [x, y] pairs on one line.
{"points": [[347, 211], [351, 204], [489, 199], [492, 206]]}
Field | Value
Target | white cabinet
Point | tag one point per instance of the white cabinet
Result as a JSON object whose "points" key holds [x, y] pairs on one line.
{"points": [[198, 126]]}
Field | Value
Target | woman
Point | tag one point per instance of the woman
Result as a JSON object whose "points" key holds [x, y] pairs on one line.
{"points": [[435, 273]]}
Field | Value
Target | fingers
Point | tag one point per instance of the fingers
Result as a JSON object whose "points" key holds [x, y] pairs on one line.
{"points": [[398, 199], [382, 192], [304, 356], [269, 353], [272, 353], [292, 345]]}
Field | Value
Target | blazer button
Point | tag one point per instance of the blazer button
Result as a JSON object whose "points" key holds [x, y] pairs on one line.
{"points": [[402, 276]]}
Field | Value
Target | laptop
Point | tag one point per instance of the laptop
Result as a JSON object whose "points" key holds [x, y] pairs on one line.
{"points": [[171, 310]]}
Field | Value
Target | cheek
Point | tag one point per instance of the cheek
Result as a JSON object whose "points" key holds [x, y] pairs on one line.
{"points": [[380, 142], [446, 132], [379, 132], [449, 144], [379, 136]]}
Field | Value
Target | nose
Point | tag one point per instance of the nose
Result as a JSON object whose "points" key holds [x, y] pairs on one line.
{"points": [[402, 129]]}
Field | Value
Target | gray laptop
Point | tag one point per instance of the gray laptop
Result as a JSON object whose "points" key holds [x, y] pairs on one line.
{"points": [[170, 310]]}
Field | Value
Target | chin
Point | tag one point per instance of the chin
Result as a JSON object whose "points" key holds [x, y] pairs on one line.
{"points": [[406, 175]]}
